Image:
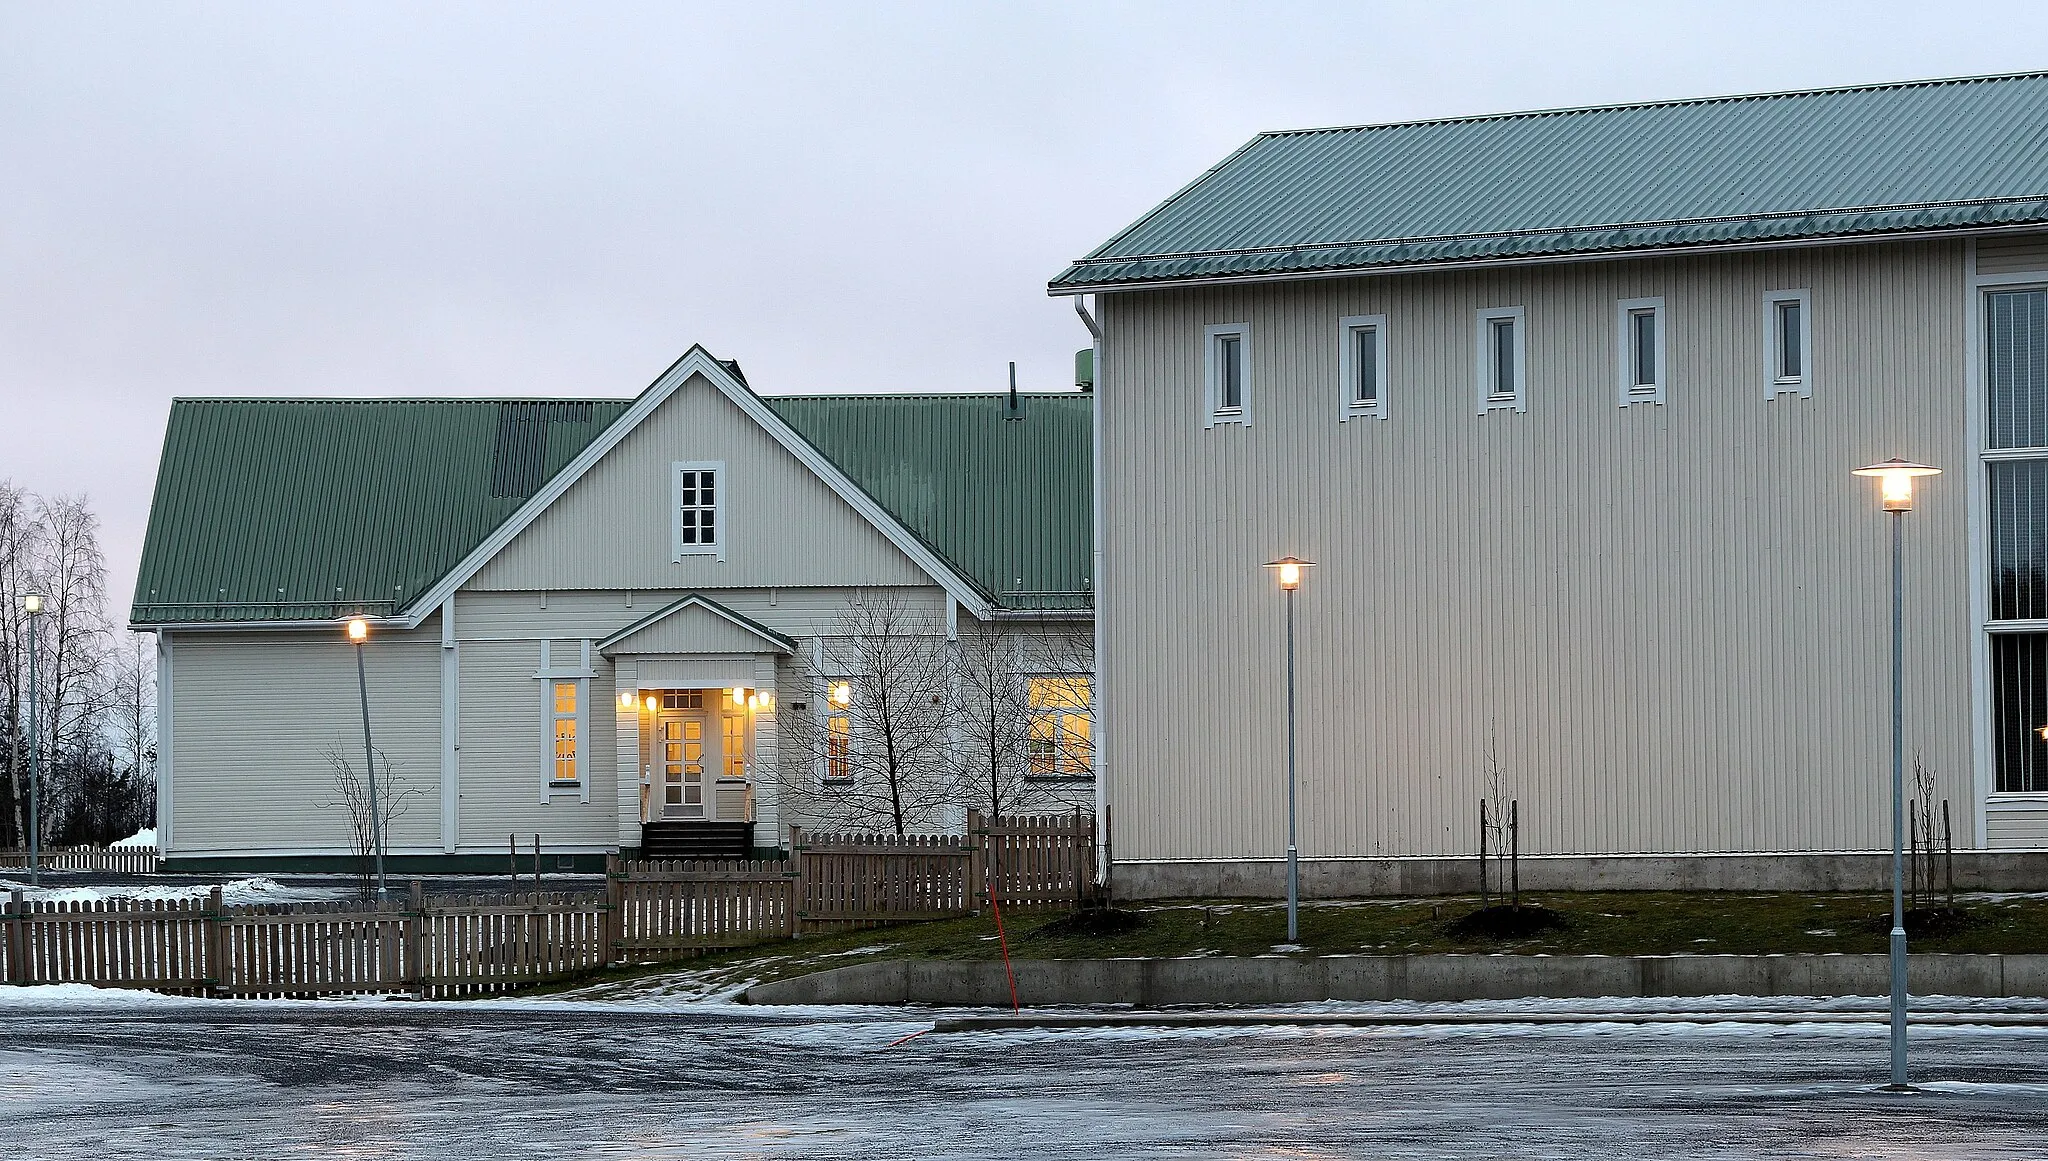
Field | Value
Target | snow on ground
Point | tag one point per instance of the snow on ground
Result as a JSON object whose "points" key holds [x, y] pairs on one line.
{"points": [[238, 891], [141, 838]]}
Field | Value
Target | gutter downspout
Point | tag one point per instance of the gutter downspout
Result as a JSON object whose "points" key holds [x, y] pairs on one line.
{"points": [[1095, 583]]}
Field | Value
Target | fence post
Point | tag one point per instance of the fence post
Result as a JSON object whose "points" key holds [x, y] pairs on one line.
{"points": [[1484, 901], [977, 860], [799, 881], [536, 862], [216, 944], [416, 938], [1514, 853], [1080, 861], [609, 924], [17, 938]]}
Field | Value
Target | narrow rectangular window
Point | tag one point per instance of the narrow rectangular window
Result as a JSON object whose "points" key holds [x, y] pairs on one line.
{"points": [[2019, 699], [2016, 366], [699, 492], [1640, 344], [839, 747], [1060, 741], [565, 754], [733, 747], [1227, 373], [1788, 343], [1502, 359], [1362, 356]]}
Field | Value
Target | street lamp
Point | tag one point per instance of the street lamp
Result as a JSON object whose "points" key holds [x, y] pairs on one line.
{"points": [[32, 604], [1288, 569], [1895, 490], [359, 632]]}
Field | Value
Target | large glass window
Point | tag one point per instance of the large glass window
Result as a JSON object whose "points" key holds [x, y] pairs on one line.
{"points": [[2019, 539], [2016, 366], [1061, 742], [2019, 693]]}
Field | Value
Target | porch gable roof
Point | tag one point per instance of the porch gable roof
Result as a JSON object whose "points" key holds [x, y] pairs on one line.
{"points": [[664, 631]]}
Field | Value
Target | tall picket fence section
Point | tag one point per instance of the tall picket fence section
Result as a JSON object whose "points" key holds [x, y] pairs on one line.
{"points": [[442, 946]]}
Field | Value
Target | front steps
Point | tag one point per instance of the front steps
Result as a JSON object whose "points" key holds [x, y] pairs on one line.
{"points": [[688, 839]]}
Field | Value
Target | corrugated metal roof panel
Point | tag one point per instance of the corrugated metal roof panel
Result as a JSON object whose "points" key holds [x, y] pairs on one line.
{"points": [[1776, 167], [304, 509]]}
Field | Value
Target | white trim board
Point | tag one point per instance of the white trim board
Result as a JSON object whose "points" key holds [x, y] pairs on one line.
{"points": [[698, 361]]}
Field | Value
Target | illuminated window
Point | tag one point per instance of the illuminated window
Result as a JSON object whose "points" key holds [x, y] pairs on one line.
{"points": [[733, 755], [1061, 741], [838, 747], [565, 734]]}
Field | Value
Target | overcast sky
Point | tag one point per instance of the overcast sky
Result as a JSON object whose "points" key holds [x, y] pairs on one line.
{"points": [[509, 199]]}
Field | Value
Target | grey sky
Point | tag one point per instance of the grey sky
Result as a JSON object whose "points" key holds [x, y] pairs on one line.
{"points": [[520, 199]]}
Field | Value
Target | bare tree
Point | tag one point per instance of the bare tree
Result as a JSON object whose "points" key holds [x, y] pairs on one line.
{"points": [[392, 802], [880, 740], [1024, 715], [16, 567], [1497, 795]]}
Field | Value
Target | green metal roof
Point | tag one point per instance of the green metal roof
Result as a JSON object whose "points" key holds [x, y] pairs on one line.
{"points": [[1832, 163], [312, 509], [1007, 501]]}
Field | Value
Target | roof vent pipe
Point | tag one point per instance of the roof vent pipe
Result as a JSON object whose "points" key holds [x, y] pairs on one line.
{"points": [[1015, 407]]}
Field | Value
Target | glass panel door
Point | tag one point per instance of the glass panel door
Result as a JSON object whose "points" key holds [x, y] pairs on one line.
{"points": [[681, 739]]}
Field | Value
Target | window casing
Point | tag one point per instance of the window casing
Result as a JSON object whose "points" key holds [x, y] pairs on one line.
{"points": [[1788, 343], [1640, 343], [698, 490], [835, 724], [1362, 355], [1227, 373], [2015, 361], [1502, 360], [564, 696], [1060, 740], [566, 758]]}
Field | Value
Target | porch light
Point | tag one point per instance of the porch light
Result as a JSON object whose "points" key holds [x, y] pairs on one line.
{"points": [[1895, 481], [626, 700], [738, 693], [652, 705], [358, 630], [842, 693], [1289, 570]]}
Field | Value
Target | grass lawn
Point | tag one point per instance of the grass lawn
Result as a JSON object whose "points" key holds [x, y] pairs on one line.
{"points": [[1611, 923]]}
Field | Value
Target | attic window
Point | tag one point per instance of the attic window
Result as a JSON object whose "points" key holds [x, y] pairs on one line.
{"points": [[699, 490]]}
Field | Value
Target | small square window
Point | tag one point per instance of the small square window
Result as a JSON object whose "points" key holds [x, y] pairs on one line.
{"points": [[1227, 372], [1362, 354], [1788, 343], [1502, 360], [1640, 343]]}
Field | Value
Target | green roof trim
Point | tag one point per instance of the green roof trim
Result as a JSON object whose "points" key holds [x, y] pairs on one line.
{"points": [[1963, 154], [302, 510]]}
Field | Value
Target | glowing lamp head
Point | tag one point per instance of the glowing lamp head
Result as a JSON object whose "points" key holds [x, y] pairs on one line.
{"points": [[1289, 570], [358, 630], [1895, 481], [2041, 732], [652, 705], [842, 693], [32, 603], [627, 700]]}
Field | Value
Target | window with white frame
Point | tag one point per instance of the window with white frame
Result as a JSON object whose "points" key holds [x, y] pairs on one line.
{"points": [[1060, 740], [1502, 360], [836, 710], [1639, 350], [1362, 354], [2015, 360], [1788, 343], [566, 704], [1227, 372], [699, 506], [564, 719]]}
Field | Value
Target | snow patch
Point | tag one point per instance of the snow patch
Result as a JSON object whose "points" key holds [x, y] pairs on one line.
{"points": [[237, 891], [141, 838]]}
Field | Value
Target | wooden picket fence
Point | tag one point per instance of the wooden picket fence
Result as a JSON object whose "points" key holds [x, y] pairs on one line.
{"points": [[126, 860], [441, 946]]}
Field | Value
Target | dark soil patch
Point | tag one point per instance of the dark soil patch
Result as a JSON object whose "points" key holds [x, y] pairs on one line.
{"points": [[1507, 922], [1928, 922], [1094, 922]]}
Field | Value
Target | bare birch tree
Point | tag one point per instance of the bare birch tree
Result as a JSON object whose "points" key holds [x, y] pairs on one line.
{"points": [[1026, 734]]}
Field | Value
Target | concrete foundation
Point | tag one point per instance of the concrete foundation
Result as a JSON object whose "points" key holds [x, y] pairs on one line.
{"points": [[1351, 878], [1224, 981]]}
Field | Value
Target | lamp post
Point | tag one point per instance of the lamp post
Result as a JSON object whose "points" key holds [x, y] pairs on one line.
{"points": [[1288, 569], [1895, 491], [358, 632], [32, 604]]}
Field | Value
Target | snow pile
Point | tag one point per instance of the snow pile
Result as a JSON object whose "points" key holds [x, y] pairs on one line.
{"points": [[253, 890], [141, 838]]}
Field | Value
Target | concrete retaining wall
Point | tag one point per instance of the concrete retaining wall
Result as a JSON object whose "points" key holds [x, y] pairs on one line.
{"points": [[1281, 980], [1350, 878]]}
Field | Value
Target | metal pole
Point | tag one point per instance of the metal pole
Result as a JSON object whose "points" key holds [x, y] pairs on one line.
{"points": [[1898, 814], [35, 768], [370, 764], [1293, 862]]}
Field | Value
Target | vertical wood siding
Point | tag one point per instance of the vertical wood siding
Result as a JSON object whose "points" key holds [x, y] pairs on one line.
{"points": [[1669, 619], [783, 526], [253, 715]]}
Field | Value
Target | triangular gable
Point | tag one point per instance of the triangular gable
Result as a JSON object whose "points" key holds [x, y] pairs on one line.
{"points": [[695, 624], [698, 361]]}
